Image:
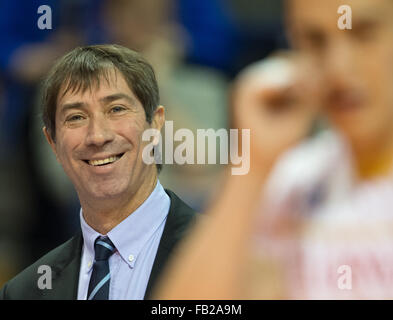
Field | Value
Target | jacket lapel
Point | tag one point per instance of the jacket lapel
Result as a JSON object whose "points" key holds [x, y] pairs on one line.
{"points": [[66, 267], [65, 272], [178, 221]]}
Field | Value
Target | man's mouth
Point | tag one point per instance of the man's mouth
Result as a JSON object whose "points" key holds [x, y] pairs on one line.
{"points": [[346, 101], [105, 161]]}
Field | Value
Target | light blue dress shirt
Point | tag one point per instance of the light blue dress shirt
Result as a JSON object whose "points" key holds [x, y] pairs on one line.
{"points": [[136, 240]]}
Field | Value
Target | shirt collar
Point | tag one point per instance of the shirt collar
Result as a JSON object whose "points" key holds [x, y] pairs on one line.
{"points": [[131, 235]]}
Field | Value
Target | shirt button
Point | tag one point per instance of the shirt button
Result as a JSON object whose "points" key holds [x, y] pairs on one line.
{"points": [[130, 258], [89, 264]]}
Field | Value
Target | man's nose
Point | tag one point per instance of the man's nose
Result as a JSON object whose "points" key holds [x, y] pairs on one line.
{"points": [[339, 63], [99, 132]]}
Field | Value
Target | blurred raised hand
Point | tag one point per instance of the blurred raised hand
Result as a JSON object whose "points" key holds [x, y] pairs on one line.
{"points": [[277, 99], [278, 103]]}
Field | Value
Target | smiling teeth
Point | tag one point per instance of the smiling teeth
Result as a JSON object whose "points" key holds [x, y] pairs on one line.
{"points": [[104, 161]]}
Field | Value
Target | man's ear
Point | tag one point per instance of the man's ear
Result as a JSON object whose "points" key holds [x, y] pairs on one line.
{"points": [[158, 118], [50, 140], [158, 122]]}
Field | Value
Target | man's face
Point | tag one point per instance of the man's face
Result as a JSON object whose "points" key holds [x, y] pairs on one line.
{"points": [[356, 65], [99, 139]]}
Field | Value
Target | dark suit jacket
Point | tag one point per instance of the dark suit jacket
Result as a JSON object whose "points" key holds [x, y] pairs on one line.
{"points": [[65, 261]]}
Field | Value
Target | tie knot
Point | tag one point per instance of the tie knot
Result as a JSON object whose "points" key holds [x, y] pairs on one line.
{"points": [[103, 248]]}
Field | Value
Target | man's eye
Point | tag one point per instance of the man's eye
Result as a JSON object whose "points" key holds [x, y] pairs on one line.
{"points": [[74, 118], [365, 31], [117, 109], [316, 40]]}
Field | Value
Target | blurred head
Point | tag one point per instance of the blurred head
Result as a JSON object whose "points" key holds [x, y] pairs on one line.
{"points": [[356, 65], [97, 102], [136, 23]]}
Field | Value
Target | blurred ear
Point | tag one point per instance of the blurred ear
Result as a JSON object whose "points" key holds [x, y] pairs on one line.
{"points": [[50, 140], [288, 19]]}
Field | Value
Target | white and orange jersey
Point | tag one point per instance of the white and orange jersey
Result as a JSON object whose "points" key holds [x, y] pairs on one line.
{"points": [[332, 233]]}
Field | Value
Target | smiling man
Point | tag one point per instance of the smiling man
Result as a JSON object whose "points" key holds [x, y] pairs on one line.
{"points": [[97, 102]]}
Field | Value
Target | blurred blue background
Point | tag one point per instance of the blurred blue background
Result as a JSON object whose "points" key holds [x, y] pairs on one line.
{"points": [[196, 47]]}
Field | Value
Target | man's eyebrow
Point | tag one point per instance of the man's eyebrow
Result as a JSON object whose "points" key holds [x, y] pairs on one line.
{"points": [[118, 96], [105, 100], [365, 20], [71, 105]]}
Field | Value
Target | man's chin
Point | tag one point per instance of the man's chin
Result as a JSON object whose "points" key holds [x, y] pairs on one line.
{"points": [[362, 138], [106, 192]]}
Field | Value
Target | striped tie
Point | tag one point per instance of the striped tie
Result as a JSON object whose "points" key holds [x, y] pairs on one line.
{"points": [[100, 277]]}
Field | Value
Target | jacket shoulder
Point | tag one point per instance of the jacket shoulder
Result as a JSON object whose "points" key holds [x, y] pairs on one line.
{"points": [[180, 217], [24, 286], [179, 221]]}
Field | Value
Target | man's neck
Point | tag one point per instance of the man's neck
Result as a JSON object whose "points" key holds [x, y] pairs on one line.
{"points": [[106, 214], [375, 161]]}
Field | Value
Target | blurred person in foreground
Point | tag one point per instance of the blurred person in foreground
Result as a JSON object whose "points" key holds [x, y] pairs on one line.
{"points": [[323, 226], [97, 103]]}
